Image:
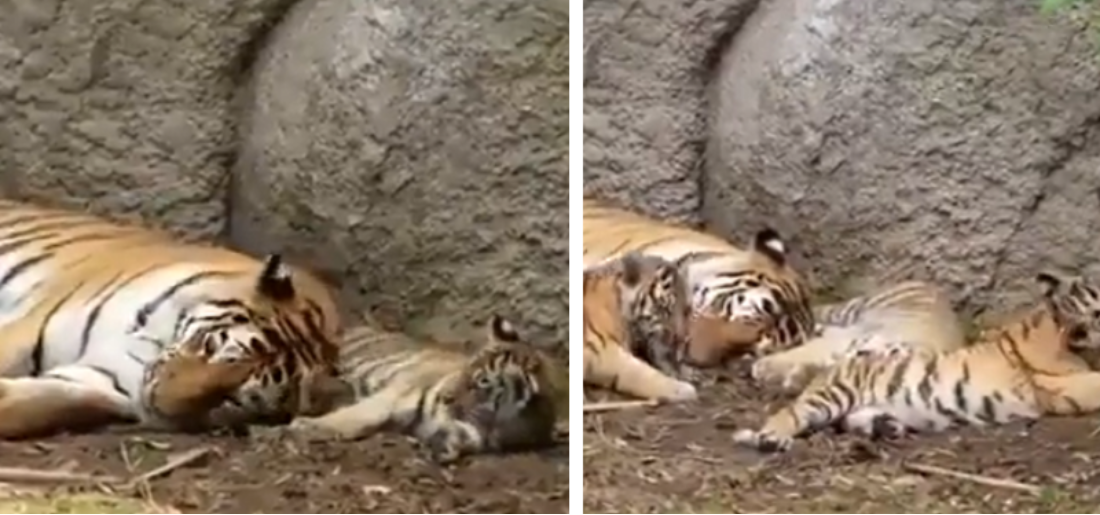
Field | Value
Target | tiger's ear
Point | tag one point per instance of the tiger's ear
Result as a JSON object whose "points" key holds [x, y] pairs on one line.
{"points": [[769, 243], [502, 331], [1049, 282], [275, 282], [631, 271]]}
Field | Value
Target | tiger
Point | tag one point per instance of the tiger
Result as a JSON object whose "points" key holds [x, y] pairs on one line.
{"points": [[1026, 370], [911, 315], [503, 395], [724, 280], [640, 336], [88, 306]]}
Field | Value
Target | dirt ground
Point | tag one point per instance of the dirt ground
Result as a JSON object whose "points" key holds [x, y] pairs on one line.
{"points": [[384, 474], [680, 459]]}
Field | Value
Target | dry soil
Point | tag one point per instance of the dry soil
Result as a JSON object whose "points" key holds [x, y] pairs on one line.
{"points": [[680, 459]]}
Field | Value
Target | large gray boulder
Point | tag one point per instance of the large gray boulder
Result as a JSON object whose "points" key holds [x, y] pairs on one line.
{"points": [[124, 106], [417, 149], [646, 68], [952, 141]]}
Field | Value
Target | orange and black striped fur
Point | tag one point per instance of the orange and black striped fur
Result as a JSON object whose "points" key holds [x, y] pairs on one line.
{"points": [[1026, 370], [903, 317], [88, 307], [724, 280], [640, 337], [502, 395]]}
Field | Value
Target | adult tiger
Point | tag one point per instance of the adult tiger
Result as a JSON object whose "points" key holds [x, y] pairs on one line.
{"points": [[86, 306], [640, 337], [1027, 370], [502, 395], [724, 280], [911, 315]]}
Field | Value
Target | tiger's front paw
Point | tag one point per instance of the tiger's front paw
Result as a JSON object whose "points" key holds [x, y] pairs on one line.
{"points": [[762, 441], [681, 392], [308, 429]]}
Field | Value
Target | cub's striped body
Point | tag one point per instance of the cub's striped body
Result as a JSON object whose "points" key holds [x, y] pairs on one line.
{"points": [[909, 316], [724, 280], [455, 401], [87, 306], [1027, 371], [640, 337]]}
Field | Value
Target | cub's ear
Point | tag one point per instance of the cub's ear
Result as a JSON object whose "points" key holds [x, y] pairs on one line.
{"points": [[1049, 282], [275, 282], [502, 331], [769, 243], [631, 272]]}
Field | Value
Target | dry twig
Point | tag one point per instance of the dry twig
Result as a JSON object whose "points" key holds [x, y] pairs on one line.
{"points": [[181, 460], [599, 407], [933, 470], [25, 475]]}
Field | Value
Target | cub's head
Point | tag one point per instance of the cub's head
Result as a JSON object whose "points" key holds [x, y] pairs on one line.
{"points": [[512, 390], [653, 299], [1075, 301], [285, 317]]}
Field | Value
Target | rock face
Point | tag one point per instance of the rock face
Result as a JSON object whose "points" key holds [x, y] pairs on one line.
{"points": [[645, 75], [952, 141], [417, 149], [123, 106]]}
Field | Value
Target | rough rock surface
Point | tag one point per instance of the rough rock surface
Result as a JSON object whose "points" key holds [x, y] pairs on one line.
{"points": [[644, 85], [418, 150], [123, 106], [954, 141]]}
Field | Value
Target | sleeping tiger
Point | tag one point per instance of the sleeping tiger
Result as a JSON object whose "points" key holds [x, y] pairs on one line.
{"points": [[87, 307], [1029, 369], [640, 337], [502, 396], [725, 280], [911, 315]]}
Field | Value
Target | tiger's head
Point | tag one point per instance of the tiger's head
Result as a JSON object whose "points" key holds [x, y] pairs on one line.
{"points": [[766, 287], [511, 390], [286, 319], [1076, 302]]}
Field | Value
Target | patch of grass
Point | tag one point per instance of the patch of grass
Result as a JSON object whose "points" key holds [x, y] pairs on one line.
{"points": [[76, 503]]}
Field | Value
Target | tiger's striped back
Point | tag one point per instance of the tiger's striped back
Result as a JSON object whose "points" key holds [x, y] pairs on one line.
{"points": [[911, 316], [723, 279], [96, 304], [1024, 370]]}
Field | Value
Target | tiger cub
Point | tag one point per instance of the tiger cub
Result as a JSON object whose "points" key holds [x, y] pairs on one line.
{"points": [[1026, 370], [911, 315], [456, 401], [640, 337]]}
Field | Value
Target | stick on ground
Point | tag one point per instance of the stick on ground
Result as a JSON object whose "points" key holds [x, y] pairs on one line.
{"points": [[974, 478], [182, 460], [25, 475], [599, 407]]}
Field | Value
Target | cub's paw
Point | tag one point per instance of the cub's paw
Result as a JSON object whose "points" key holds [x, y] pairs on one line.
{"points": [[447, 446], [307, 429], [771, 373], [762, 441]]}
